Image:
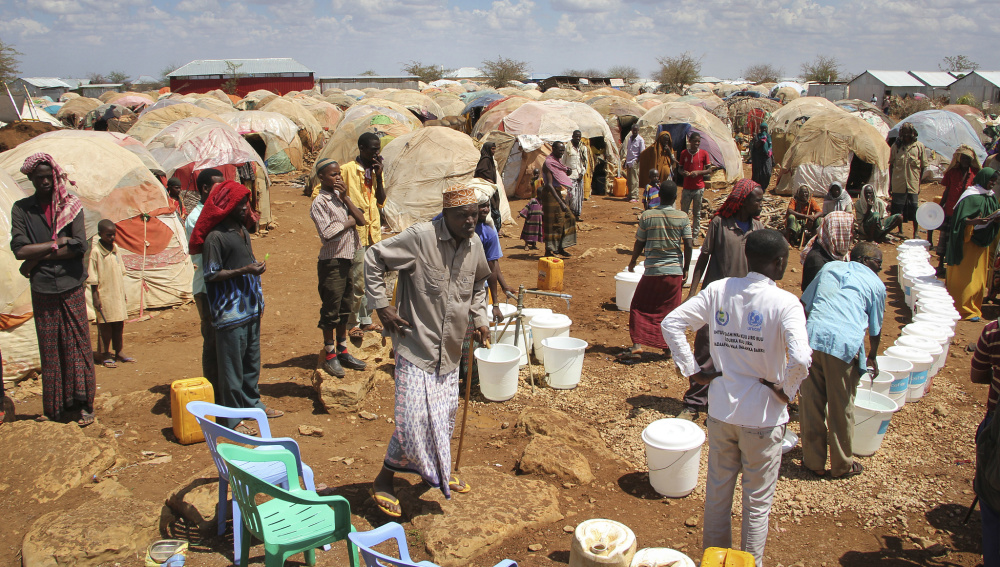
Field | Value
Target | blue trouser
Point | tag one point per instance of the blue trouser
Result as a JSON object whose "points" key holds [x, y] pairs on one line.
{"points": [[238, 353]]}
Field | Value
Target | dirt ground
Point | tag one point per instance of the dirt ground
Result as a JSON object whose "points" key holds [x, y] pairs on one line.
{"points": [[913, 495]]}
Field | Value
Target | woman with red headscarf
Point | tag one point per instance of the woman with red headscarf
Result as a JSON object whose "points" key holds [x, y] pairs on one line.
{"points": [[48, 235]]}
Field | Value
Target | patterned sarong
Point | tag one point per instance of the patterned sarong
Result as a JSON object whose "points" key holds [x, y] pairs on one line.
{"points": [[559, 226], [67, 356], [425, 419], [655, 297], [532, 213]]}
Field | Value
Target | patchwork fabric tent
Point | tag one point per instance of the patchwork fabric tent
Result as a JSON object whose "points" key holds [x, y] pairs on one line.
{"points": [[420, 166], [746, 113], [419, 104], [836, 146], [786, 121], [114, 184], [450, 104], [327, 114], [492, 117], [74, 110], [273, 136], [188, 146], [869, 113], [18, 342], [341, 100], [310, 131], [612, 108], [114, 117], [557, 93], [385, 119], [211, 104], [123, 140], [680, 118], [149, 125]]}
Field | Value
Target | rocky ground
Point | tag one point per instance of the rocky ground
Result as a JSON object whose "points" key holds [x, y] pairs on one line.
{"points": [[539, 463]]}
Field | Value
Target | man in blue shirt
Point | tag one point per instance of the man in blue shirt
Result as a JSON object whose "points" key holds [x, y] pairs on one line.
{"points": [[842, 302]]}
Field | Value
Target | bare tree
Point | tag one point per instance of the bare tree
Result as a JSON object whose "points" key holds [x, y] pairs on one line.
{"points": [[368, 73], [762, 73], [9, 62], [501, 71], [679, 71], [627, 72], [592, 72], [233, 70], [426, 73], [823, 69], [97, 78], [170, 68], [958, 64]]}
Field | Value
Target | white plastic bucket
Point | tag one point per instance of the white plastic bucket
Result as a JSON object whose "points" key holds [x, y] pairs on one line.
{"points": [[602, 543], [563, 361], [872, 413], [900, 370], [942, 321], [938, 333], [530, 313], [545, 326], [507, 338], [881, 383], [926, 245], [625, 284], [921, 362], [507, 309], [661, 557], [498, 371], [673, 455], [695, 252], [930, 346], [937, 308]]}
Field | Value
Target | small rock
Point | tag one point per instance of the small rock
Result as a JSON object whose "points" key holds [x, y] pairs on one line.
{"points": [[349, 462], [941, 410], [367, 415], [310, 431], [568, 485], [795, 271], [936, 549], [691, 522], [569, 529], [335, 459], [535, 547], [505, 425], [798, 564], [292, 231]]}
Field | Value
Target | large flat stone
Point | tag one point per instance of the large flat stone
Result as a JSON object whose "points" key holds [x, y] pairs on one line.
{"points": [[197, 499], [498, 507], [43, 461], [568, 429], [347, 393], [98, 532], [545, 455]]}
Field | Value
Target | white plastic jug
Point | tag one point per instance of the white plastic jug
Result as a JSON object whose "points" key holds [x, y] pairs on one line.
{"points": [[545, 326], [921, 362], [872, 413], [673, 455], [695, 253], [602, 543], [661, 557], [498, 371], [625, 284], [563, 361], [900, 370]]}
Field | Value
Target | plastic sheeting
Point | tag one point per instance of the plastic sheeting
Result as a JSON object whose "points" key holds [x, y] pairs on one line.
{"points": [[258, 121], [419, 167], [203, 142], [943, 131], [385, 119], [555, 120], [73, 111], [327, 114], [123, 140], [310, 131], [787, 120], [15, 295], [416, 102], [149, 125], [491, 119], [728, 155]]}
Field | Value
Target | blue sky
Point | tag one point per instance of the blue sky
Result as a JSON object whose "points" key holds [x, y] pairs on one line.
{"points": [[72, 38]]}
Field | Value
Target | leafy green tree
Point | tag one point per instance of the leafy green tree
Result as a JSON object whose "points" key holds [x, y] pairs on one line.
{"points": [[9, 62], [426, 73], [823, 69], [501, 71], [679, 71]]}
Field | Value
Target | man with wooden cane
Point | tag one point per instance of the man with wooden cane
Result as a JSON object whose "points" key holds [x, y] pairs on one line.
{"points": [[442, 281]]}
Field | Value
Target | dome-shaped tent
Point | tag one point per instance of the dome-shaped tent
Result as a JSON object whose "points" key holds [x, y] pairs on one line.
{"points": [[123, 140], [942, 131], [746, 113], [786, 121], [273, 136], [18, 341], [310, 131], [450, 104], [385, 119], [869, 113], [188, 146], [419, 167], [679, 119], [493, 115], [328, 115], [114, 184], [419, 104], [150, 124], [836, 146], [73, 112]]}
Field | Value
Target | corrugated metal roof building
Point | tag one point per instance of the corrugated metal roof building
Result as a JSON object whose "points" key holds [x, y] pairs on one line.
{"points": [[984, 86], [937, 82], [278, 75], [40, 86], [92, 90], [369, 81], [882, 84]]}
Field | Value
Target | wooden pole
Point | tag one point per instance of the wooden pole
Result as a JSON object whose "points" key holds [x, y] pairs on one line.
{"points": [[465, 410]]}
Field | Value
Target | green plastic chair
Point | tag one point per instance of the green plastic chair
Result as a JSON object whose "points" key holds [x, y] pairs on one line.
{"points": [[294, 520]]}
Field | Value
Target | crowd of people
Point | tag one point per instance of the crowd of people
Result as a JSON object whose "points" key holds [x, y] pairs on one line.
{"points": [[756, 346]]}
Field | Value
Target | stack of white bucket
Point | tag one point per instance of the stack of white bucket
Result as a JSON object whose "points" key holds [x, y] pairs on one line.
{"points": [[907, 368]]}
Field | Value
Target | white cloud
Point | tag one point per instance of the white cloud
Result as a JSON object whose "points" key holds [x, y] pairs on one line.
{"points": [[24, 27], [56, 6], [586, 5]]}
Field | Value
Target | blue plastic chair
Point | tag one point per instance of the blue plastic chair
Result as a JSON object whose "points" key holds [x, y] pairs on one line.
{"points": [[270, 471], [365, 541], [292, 521]]}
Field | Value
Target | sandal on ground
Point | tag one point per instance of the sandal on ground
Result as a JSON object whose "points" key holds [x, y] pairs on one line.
{"points": [[85, 419], [856, 469], [124, 358], [356, 333], [272, 413], [245, 429], [109, 362], [629, 356], [391, 500], [372, 327], [459, 486]]}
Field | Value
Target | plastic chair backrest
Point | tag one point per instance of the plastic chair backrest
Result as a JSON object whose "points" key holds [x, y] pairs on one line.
{"points": [[246, 487], [213, 431], [365, 541]]}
